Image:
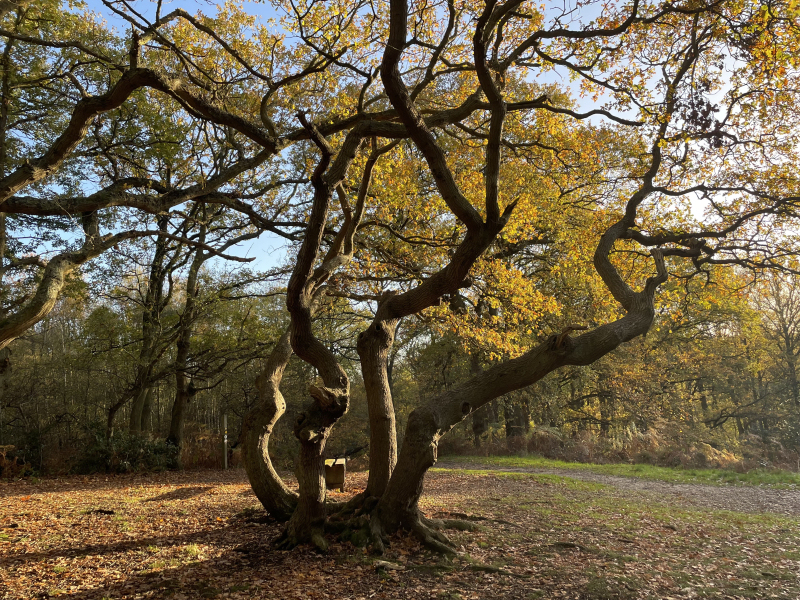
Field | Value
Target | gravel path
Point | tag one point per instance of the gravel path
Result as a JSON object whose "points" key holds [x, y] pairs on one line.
{"points": [[740, 498]]}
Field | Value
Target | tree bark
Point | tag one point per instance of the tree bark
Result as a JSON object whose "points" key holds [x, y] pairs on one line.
{"points": [[307, 523], [374, 345]]}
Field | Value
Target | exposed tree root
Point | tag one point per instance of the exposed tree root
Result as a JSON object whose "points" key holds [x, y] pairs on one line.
{"points": [[430, 537], [426, 530], [315, 538], [451, 524], [466, 517], [252, 515], [293, 536], [318, 539], [432, 569], [358, 504], [377, 535], [356, 521]]}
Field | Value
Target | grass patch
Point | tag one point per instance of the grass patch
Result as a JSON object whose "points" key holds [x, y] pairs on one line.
{"points": [[192, 550], [769, 477], [600, 588], [540, 478]]}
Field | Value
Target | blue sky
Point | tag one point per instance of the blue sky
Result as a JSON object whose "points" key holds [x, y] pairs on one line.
{"points": [[148, 8]]}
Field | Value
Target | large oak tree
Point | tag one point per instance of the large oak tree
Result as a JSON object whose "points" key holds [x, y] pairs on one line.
{"points": [[679, 108]]}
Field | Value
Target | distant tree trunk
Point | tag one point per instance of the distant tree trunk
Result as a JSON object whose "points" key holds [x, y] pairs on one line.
{"points": [[153, 305], [184, 390], [509, 418], [794, 384], [523, 407], [605, 400], [147, 410], [5, 375], [112, 414], [699, 388], [494, 413], [480, 418], [140, 402], [516, 410]]}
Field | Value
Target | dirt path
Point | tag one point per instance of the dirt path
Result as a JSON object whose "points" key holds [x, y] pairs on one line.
{"points": [[740, 498]]}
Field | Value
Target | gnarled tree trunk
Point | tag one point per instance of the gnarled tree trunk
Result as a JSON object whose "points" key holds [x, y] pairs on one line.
{"points": [[258, 424], [331, 400]]}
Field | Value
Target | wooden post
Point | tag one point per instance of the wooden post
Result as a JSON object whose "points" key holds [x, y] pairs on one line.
{"points": [[225, 441]]}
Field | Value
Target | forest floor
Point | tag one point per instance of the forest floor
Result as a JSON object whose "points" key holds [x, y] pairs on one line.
{"points": [[576, 535]]}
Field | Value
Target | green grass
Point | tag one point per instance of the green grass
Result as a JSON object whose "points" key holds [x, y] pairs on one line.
{"points": [[542, 478], [192, 550], [772, 477]]}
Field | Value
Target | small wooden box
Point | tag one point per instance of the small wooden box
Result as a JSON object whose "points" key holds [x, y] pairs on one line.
{"points": [[335, 469]]}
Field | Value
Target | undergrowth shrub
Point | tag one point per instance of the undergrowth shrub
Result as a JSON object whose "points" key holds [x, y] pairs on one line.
{"points": [[13, 464], [124, 453], [663, 444]]}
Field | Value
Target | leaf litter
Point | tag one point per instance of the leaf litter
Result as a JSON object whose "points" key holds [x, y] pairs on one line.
{"points": [[202, 535]]}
